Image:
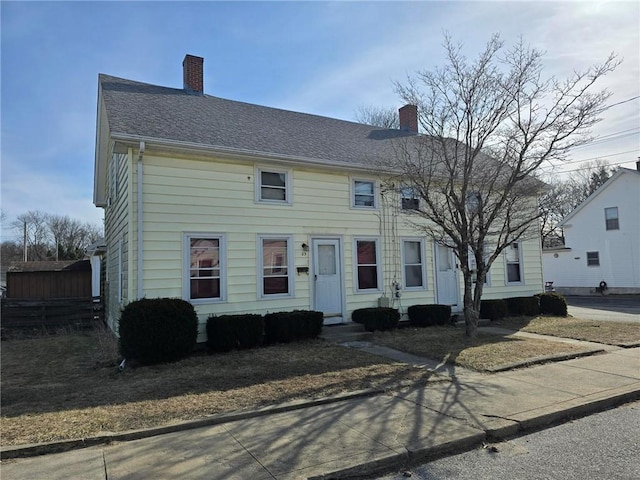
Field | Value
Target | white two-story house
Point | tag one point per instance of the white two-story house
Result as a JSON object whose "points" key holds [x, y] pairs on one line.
{"points": [[240, 208]]}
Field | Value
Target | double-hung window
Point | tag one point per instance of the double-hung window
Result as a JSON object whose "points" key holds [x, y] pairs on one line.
{"points": [[409, 199], [273, 186], [204, 267], [611, 218], [363, 193], [473, 266], [275, 257], [368, 275], [413, 271], [513, 260]]}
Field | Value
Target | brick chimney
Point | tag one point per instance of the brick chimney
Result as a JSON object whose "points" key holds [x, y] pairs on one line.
{"points": [[409, 118], [192, 74]]}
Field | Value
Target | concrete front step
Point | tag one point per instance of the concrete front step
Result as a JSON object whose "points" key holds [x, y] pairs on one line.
{"points": [[346, 332]]}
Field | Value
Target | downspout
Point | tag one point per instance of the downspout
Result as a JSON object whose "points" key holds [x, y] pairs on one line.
{"points": [[140, 292]]}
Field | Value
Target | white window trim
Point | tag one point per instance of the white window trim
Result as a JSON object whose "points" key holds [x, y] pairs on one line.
{"points": [[598, 258], [290, 267], [423, 256], [356, 289], [606, 220], [288, 185], [520, 263], [186, 267], [352, 193]]}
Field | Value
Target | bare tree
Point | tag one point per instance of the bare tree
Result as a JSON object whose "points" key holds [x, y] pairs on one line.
{"points": [[34, 232], [378, 116], [488, 126]]}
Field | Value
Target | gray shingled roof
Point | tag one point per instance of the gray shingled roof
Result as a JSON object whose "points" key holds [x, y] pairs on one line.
{"points": [[150, 111]]}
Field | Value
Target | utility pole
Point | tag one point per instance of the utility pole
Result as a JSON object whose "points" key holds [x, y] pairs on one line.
{"points": [[24, 240]]}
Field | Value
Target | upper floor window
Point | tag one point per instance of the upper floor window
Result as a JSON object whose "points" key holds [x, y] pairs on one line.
{"points": [[473, 202], [204, 272], [611, 218], [363, 194], [593, 259], [275, 266], [273, 186], [409, 198], [513, 260]]}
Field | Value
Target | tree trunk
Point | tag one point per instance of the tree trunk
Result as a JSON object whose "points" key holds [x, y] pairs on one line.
{"points": [[471, 315]]}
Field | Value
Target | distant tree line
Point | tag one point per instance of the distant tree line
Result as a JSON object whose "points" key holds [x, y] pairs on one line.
{"points": [[44, 236]]}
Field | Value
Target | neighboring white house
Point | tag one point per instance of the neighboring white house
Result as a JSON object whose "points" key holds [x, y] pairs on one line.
{"points": [[602, 241], [240, 208]]}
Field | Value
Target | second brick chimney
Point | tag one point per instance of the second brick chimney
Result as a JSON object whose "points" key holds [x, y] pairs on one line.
{"points": [[192, 74], [409, 118]]}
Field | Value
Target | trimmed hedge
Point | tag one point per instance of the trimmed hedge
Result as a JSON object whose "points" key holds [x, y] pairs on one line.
{"points": [[523, 305], [285, 327], [158, 330], [553, 304], [493, 309], [429, 315], [228, 332], [377, 318]]}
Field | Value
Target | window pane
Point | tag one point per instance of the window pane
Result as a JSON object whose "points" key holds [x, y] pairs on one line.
{"points": [[274, 253], [267, 193], [367, 277], [274, 179], [364, 188], [611, 218], [593, 258], [366, 252], [413, 275], [205, 288], [326, 260], [513, 253], [364, 194], [513, 272], [412, 253], [275, 285]]}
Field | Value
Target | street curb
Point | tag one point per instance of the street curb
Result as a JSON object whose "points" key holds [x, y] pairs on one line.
{"points": [[409, 458], [545, 359]]}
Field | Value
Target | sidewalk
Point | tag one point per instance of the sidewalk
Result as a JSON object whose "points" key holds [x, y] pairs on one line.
{"points": [[359, 436]]}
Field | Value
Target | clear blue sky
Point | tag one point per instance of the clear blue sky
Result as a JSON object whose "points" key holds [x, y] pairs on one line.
{"points": [[325, 58]]}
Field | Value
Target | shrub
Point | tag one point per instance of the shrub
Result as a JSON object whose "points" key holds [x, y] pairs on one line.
{"points": [[429, 315], [493, 309], [377, 318], [553, 304], [158, 330], [228, 332], [284, 327], [523, 305]]}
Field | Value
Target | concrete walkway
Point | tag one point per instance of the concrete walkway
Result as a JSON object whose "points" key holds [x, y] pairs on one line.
{"points": [[357, 436]]}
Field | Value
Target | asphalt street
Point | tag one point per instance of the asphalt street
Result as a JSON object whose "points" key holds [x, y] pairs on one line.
{"points": [[604, 446], [621, 308]]}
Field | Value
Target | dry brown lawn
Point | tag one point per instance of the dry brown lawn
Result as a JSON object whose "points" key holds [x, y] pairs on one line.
{"points": [[610, 333], [58, 387], [487, 352]]}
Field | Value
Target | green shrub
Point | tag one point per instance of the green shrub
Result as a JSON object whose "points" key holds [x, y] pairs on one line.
{"points": [[284, 327], [493, 309], [377, 318], [228, 332], [158, 330], [553, 304], [523, 305], [429, 315]]}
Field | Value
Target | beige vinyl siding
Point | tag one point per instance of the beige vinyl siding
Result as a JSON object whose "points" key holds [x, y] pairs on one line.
{"points": [[117, 235]]}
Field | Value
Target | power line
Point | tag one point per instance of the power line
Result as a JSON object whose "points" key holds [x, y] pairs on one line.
{"points": [[587, 168], [620, 103]]}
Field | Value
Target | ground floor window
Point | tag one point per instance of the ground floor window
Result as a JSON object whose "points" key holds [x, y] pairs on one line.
{"points": [[593, 259], [367, 264], [513, 260], [413, 264], [205, 267], [275, 271]]}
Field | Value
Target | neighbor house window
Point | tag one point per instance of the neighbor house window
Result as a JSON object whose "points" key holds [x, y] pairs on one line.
{"points": [[473, 202], [275, 268], [513, 260], [409, 198], [363, 194], [413, 271], [367, 264], [611, 218], [273, 186], [205, 268], [593, 259]]}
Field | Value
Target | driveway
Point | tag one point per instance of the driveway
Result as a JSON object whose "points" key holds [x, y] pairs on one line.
{"points": [[620, 308]]}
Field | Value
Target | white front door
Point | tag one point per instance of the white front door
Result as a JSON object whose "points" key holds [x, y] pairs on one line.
{"points": [[327, 279], [446, 277]]}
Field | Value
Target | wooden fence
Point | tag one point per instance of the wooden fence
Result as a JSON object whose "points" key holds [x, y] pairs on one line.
{"points": [[50, 312], [49, 284]]}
